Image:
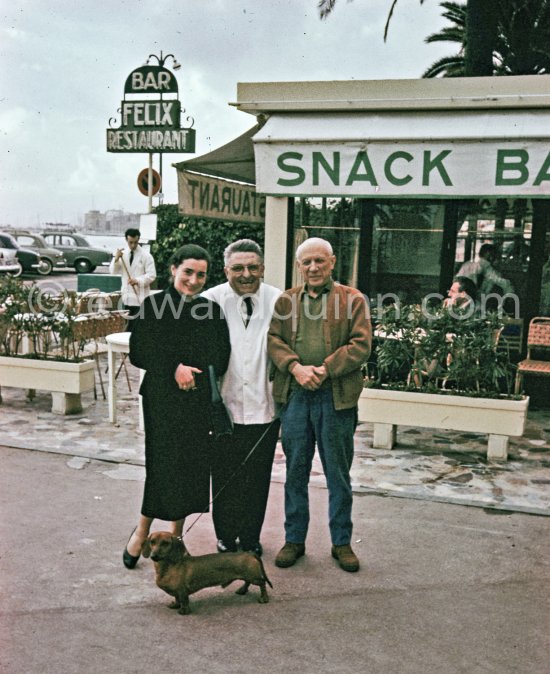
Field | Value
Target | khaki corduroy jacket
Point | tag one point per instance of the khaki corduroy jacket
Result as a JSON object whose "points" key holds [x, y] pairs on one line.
{"points": [[348, 338]]}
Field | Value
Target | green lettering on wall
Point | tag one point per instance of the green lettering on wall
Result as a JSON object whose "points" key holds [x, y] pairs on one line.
{"points": [[289, 168], [361, 160], [518, 162], [544, 173], [390, 177], [332, 171], [435, 163]]}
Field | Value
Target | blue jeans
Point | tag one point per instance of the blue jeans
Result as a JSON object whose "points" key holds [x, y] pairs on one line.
{"points": [[309, 417]]}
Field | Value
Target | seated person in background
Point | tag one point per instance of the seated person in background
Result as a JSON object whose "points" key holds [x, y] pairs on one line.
{"points": [[461, 295], [460, 303]]}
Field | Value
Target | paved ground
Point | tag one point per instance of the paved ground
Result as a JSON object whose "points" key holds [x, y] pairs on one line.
{"points": [[440, 466], [442, 589]]}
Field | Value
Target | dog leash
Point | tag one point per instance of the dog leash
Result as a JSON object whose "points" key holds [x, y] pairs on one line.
{"points": [[239, 467]]}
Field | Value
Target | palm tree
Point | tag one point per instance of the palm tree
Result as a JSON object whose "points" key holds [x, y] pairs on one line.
{"points": [[450, 66], [521, 46], [524, 37], [480, 28]]}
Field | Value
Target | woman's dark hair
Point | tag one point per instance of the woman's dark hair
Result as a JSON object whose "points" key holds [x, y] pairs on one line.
{"points": [[190, 251]]}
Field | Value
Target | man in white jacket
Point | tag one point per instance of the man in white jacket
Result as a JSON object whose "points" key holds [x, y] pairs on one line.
{"points": [[239, 508], [137, 268]]}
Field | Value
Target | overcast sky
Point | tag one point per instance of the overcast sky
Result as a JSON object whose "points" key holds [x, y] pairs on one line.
{"points": [[64, 64]]}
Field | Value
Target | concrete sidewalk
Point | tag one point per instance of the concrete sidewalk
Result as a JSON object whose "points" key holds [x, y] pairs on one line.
{"points": [[449, 467], [442, 589]]}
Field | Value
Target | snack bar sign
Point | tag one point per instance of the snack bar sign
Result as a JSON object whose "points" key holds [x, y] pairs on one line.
{"points": [[150, 124], [501, 168]]}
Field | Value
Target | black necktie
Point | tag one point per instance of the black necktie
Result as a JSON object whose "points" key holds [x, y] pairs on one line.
{"points": [[131, 257], [249, 310]]}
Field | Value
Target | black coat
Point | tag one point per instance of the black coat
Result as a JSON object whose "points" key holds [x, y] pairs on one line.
{"points": [[173, 330]]}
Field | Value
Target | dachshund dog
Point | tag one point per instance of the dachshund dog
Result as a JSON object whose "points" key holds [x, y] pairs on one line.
{"points": [[179, 574]]}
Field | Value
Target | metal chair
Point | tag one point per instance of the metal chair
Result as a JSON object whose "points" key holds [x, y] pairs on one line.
{"points": [[538, 340]]}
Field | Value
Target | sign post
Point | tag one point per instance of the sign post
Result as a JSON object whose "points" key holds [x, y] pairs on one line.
{"points": [[152, 122]]}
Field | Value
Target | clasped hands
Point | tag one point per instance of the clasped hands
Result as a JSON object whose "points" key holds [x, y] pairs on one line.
{"points": [[185, 377], [310, 377]]}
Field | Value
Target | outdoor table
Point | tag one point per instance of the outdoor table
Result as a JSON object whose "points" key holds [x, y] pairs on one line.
{"points": [[118, 342]]}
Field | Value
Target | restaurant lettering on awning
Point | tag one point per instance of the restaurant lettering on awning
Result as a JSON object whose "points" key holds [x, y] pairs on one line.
{"points": [[206, 197]]}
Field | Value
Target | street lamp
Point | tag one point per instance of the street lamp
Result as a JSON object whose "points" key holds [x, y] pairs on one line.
{"points": [[176, 65]]}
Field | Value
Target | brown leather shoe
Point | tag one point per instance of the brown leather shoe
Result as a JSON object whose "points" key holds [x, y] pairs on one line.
{"points": [[289, 554], [346, 557]]}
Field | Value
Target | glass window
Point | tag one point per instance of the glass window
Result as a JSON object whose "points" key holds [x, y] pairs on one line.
{"points": [[25, 240], [335, 221], [407, 239], [505, 223]]}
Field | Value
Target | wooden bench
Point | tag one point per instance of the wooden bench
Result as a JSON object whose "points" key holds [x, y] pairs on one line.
{"points": [[538, 340]]}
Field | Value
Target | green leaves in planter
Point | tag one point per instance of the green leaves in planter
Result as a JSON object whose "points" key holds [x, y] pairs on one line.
{"points": [[427, 349]]}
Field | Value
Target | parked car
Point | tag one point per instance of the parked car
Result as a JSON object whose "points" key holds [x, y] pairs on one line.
{"points": [[77, 251], [29, 260], [8, 262], [51, 257]]}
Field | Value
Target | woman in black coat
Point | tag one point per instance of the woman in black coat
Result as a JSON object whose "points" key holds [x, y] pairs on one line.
{"points": [[174, 338]]}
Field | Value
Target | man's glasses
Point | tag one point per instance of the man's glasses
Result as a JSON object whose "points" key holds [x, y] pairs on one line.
{"points": [[239, 268]]}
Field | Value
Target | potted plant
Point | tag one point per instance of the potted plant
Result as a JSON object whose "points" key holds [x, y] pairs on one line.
{"points": [[442, 369], [40, 347]]}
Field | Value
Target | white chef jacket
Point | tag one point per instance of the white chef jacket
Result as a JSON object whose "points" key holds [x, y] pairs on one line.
{"points": [[245, 387], [142, 269]]}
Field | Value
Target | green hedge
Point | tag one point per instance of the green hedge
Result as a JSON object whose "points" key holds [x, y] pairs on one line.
{"points": [[174, 230]]}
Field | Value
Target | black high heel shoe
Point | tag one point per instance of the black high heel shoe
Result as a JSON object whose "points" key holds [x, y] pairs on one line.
{"points": [[129, 560]]}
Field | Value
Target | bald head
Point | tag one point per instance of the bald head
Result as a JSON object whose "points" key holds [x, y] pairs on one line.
{"points": [[315, 261]]}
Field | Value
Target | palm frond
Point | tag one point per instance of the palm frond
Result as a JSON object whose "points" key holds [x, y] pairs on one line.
{"points": [[448, 66], [450, 34], [456, 12], [325, 7]]}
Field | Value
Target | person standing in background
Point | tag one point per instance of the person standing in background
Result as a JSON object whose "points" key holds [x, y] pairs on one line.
{"points": [[137, 269], [483, 273], [238, 510]]}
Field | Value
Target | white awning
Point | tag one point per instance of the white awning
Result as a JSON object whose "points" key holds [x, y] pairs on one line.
{"points": [[443, 153]]}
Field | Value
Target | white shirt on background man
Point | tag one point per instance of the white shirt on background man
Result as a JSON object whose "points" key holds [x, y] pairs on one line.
{"points": [[142, 269]]}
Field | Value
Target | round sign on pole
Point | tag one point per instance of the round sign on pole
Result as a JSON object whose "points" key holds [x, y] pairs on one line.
{"points": [[143, 182]]}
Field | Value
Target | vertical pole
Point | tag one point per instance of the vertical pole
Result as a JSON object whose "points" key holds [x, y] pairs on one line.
{"points": [[160, 194], [275, 243], [365, 217], [289, 263], [150, 183], [448, 245]]}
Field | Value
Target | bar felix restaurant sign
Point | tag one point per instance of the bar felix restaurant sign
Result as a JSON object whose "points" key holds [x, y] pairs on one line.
{"points": [[150, 123]]}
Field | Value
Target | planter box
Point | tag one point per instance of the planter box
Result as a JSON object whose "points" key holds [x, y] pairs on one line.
{"points": [[499, 418], [66, 381]]}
